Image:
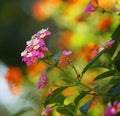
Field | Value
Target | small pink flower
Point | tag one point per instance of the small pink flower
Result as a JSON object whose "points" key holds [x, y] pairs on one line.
{"points": [[65, 57], [47, 111], [43, 81], [92, 6], [66, 53], [109, 44]]}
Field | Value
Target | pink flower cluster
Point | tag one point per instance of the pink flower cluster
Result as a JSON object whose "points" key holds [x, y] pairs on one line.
{"points": [[43, 81], [92, 6], [35, 47], [112, 110]]}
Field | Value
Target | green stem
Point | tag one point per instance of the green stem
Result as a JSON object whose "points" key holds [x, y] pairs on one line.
{"points": [[70, 63], [70, 111], [106, 11], [91, 89], [97, 91], [74, 68], [62, 70]]}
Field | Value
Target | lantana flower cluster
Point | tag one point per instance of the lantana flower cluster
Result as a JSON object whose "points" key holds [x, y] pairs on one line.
{"points": [[36, 47]]}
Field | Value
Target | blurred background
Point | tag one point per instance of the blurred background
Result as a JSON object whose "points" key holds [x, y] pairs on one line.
{"points": [[71, 29]]}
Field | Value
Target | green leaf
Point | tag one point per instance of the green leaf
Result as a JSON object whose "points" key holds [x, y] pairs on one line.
{"points": [[22, 111], [115, 90], [67, 80], [71, 106], [117, 61], [92, 61], [105, 74], [61, 110], [59, 98], [67, 110], [115, 36], [80, 96], [100, 64], [56, 97], [84, 109]]}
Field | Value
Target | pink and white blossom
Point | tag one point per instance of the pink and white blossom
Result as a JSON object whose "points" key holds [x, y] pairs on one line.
{"points": [[36, 47]]}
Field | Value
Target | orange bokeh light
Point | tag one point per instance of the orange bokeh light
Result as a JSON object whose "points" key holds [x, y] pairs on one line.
{"points": [[35, 69], [87, 52], [14, 78], [39, 11], [43, 8], [65, 40], [104, 23], [106, 4]]}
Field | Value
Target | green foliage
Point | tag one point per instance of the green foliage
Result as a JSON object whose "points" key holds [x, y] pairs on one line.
{"points": [[112, 87], [117, 61], [92, 61], [56, 97], [115, 80], [80, 96], [115, 36], [108, 57], [68, 110], [105, 74]]}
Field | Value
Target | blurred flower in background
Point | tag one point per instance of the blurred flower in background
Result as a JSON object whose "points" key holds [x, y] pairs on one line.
{"points": [[35, 69], [42, 9], [14, 79]]}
